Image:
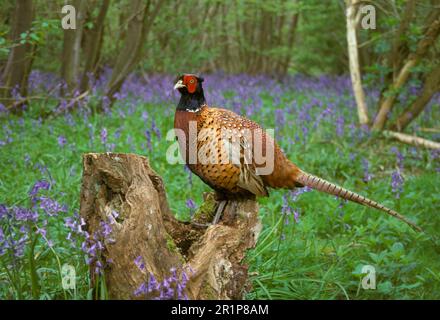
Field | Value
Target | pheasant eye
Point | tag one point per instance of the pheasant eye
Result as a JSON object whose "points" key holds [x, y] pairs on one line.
{"points": [[191, 81]]}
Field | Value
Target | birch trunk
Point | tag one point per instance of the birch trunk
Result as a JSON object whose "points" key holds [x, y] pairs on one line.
{"points": [[353, 54]]}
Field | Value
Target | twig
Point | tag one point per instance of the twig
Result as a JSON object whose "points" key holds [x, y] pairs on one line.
{"points": [[76, 99]]}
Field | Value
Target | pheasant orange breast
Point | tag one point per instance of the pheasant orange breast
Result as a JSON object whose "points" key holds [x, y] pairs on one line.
{"points": [[218, 131]]}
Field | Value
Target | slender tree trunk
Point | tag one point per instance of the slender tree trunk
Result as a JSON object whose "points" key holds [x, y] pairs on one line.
{"points": [[241, 52], [142, 15], [246, 40], [400, 48], [279, 41], [18, 65], [93, 43], [259, 66], [70, 63], [353, 54], [206, 22], [290, 42], [423, 46], [226, 61], [431, 87]]}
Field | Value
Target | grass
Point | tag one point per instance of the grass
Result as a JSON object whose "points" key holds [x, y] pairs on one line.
{"points": [[319, 257]]}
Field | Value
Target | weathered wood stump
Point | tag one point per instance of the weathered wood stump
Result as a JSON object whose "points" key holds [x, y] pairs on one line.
{"points": [[144, 229]]}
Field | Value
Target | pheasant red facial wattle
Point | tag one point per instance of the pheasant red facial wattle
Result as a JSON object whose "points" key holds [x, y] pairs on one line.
{"points": [[190, 81], [243, 178]]}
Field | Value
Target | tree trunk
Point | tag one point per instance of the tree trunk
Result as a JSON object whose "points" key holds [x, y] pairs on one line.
{"points": [[353, 54], [93, 43], [430, 87], [70, 62], [146, 230], [400, 47], [141, 17], [290, 41], [18, 65]]}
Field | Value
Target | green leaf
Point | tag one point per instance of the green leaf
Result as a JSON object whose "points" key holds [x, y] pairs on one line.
{"points": [[385, 287], [397, 247]]}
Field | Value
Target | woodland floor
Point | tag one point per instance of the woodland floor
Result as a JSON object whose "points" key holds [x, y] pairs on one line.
{"points": [[312, 246]]}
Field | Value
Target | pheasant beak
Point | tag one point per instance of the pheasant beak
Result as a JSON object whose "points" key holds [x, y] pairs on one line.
{"points": [[179, 85]]}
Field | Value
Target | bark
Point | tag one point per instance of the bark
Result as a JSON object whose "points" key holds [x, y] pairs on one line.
{"points": [[290, 41], [141, 17], [70, 63], [206, 23], [353, 54], [212, 257], [18, 65], [431, 87], [431, 34], [278, 40], [224, 41], [93, 44], [400, 48]]}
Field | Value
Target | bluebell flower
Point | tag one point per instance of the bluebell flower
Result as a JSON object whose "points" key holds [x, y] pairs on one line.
{"points": [[139, 263], [62, 141], [39, 185]]}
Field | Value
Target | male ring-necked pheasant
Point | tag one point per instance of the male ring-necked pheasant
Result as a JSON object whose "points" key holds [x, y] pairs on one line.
{"points": [[206, 138]]}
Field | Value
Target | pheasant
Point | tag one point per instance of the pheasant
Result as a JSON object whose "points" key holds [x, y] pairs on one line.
{"points": [[220, 147]]}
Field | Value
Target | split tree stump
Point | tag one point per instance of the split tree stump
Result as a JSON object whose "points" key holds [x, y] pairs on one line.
{"points": [[145, 227]]}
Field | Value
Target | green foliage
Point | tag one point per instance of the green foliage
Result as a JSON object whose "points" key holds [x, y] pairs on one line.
{"points": [[319, 257], [210, 35], [320, 41]]}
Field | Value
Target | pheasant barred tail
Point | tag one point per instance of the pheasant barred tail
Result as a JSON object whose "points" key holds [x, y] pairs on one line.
{"points": [[319, 184]]}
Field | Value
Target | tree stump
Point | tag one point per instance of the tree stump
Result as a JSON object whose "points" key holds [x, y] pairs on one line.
{"points": [[145, 245]]}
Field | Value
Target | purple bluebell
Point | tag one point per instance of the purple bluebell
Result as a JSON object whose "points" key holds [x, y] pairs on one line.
{"points": [[190, 204], [139, 262], [62, 141], [148, 137], [397, 182], [25, 214], [51, 206], [367, 176], [3, 211], [103, 136]]}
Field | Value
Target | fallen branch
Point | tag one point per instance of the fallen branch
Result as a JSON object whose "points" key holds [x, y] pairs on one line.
{"points": [[18, 103], [413, 140], [434, 130], [71, 103]]}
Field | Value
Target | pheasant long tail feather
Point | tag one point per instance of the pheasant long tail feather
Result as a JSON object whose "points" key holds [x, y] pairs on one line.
{"points": [[319, 184]]}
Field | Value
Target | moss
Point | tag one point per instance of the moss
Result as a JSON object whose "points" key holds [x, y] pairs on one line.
{"points": [[205, 212], [171, 245], [208, 293]]}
